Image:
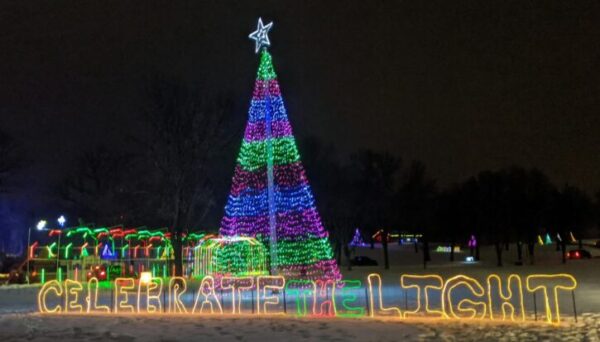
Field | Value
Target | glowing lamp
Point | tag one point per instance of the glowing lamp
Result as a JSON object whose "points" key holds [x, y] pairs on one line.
{"points": [[62, 220], [145, 277], [469, 259], [41, 225]]}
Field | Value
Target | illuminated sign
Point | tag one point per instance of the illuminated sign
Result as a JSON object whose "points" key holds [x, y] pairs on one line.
{"points": [[456, 298]]}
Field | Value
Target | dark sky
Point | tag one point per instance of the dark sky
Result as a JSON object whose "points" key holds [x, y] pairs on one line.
{"points": [[461, 85]]}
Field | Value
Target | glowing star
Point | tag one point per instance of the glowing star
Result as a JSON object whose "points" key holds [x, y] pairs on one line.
{"points": [[261, 35], [62, 220]]}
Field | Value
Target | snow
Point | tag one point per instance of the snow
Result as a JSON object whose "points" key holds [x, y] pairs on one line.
{"points": [[36, 327]]}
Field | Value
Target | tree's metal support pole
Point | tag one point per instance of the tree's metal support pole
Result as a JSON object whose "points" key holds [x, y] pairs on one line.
{"points": [[574, 306], [367, 302], [535, 306], [270, 177]]}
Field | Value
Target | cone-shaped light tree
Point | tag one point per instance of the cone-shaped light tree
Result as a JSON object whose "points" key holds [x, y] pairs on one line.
{"points": [[270, 197], [357, 240]]}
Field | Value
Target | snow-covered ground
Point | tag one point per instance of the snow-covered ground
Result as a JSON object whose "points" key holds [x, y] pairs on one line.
{"points": [[19, 320], [35, 327]]}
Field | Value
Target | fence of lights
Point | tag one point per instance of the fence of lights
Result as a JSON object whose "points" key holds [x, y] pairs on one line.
{"points": [[81, 252], [455, 298]]}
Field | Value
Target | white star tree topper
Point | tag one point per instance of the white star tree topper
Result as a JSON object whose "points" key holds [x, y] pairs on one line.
{"points": [[261, 35]]}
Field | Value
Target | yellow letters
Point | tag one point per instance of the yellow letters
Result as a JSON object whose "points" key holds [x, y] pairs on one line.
{"points": [[543, 283]]}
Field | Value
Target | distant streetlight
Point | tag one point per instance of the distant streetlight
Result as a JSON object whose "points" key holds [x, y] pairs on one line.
{"points": [[41, 225], [62, 220]]}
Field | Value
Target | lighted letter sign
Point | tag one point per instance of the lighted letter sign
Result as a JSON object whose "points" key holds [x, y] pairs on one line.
{"points": [[458, 297]]}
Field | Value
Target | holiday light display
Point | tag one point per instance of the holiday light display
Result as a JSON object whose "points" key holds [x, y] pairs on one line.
{"points": [[423, 284], [234, 256], [380, 309], [357, 240], [469, 308], [237, 285], [121, 251], [514, 288], [270, 197], [207, 294], [272, 294], [548, 282]]}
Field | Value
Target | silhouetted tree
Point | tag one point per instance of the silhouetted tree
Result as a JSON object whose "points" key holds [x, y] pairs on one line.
{"points": [[416, 203], [377, 180], [97, 186], [184, 130]]}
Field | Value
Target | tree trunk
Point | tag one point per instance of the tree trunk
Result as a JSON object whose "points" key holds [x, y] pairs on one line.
{"points": [[477, 252], [531, 250], [580, 241], [499, 253], [384, 243], [426, 256], [338, 251], [416, 247], [347, 252], [519, 252], [452, 250], [563, 250], [177, 250], [176, 231]]}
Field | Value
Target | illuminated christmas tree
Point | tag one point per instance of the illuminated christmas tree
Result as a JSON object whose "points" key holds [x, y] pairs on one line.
{"points": [[357, 240], [270, 197]]}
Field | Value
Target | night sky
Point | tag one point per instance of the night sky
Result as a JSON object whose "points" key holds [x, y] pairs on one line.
{"points": [[461, 85]]}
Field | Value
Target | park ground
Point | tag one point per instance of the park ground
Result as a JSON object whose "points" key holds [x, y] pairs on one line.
{"points": [[20, 322]]}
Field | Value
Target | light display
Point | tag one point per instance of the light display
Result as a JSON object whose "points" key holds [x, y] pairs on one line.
{"points": [[447, 249], [123, 287], [548, 239], [270, 196], [551, 282], [237, 285], [92, 301], [177, 287], [472, 242], [123, 251], [423, 284], [261, 35], [467, 307], [357, 240], [73, 289], [323, 305], [206, 299], [264, 285], [460, 297], [347, 290], [230, 256], [514, 288], [153, 295], [380, 309]]}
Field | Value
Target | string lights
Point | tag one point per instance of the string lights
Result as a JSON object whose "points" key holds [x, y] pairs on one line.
{"points": [[460, 297], [271, 199]]}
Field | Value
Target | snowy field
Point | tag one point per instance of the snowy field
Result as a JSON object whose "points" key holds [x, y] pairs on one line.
{"points": [[19, 320], [35, 327]]}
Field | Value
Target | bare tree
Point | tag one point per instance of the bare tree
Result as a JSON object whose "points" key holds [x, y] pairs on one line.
{"points": [[183, 131], [97, 188], [378, 179]]}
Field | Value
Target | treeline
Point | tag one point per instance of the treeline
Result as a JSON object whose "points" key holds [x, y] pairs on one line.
{"points": [[376, 190]]}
